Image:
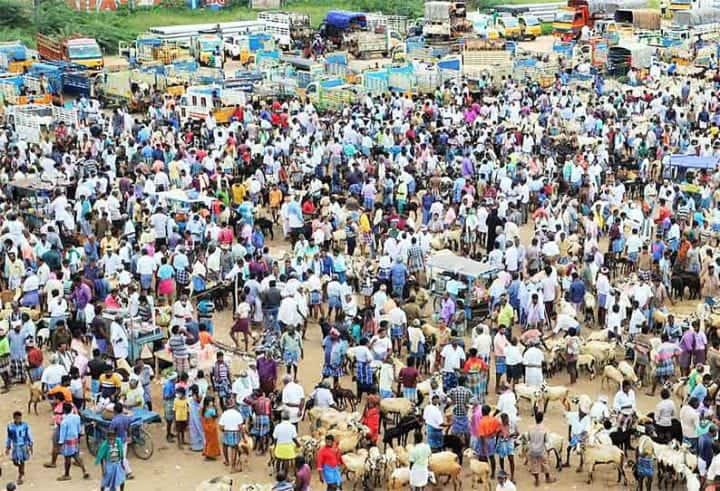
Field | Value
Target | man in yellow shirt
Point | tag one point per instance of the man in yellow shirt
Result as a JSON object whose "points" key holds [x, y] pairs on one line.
{"points": [[110, 383], [506, 315], [275, 198]]}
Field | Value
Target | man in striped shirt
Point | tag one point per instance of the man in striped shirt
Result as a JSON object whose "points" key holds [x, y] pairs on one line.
{"points": [[179, 350]]}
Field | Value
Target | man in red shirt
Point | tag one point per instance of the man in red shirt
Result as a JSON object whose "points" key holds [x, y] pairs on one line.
{"points": [[328, 464], [408, 378]]}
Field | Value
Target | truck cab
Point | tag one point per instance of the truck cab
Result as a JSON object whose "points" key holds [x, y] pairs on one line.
{"points": [[530, 25], [509, 27], [570, 20], [206, 49]]}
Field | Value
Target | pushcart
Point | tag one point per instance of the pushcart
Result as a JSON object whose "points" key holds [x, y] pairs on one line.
{"points": [[96, 428]]}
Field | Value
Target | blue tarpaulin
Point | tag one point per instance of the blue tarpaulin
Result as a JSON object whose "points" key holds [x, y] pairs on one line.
{"points": [[693, 162], [341, 19]]}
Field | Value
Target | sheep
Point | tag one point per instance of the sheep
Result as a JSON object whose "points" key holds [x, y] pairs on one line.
{"points": [[602, 454], [397, 406], [692, 483], [355, 464], [376, 466], [347, 439], [425, 387], [446, 464], [554, 443], [610, 373], [400, 478], [527, 392], [480, 470], [627, 370], [550, 393], [309, 447], [601, 335], [403, 455], [587, 362], [601, 351], [429, 330], [327, 417], [680, 389]]}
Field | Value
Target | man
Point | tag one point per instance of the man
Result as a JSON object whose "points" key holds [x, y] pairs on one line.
{"points": [[503, 483], [507, 403], [52, 374], [69, 441], [486, 428], [459, 398], [408, 379], [434, 423], [537, 445], [599, 411], [452, 358], [705, 450], [120, 424], [689, 421], [267, 372], [220, 378], [179, 350], [293, 398], [624, 404], [665, 356], [499, 344], [231, 426], [579, 426], [292, 349], [328, 462], [533, 359]]}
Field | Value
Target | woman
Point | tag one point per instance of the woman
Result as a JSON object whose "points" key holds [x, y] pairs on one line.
{"points": [[242, 322], [371, 417], [110, 457], [166, 280], [197, 437], [210, 429]]}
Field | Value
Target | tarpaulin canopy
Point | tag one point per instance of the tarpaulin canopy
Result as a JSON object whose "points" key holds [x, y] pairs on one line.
{"points": [[696, 17], [693, 162], [341, 19], [447, 261]]}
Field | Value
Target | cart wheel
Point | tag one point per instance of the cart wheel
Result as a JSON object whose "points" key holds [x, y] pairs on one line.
{"points": [[91, 439], [142, 444]]}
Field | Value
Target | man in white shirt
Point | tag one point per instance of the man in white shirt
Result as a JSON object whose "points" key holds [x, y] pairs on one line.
{"points": [[434, 421], [689, 421], [146, 269], [507, 403], [380, 344], [52, 374], [293, 398], [230, 423]]}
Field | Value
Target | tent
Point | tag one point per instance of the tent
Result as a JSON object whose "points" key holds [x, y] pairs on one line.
{"points": [[693, 162], [450, 262]]}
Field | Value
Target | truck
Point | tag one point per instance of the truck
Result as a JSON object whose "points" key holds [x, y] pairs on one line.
{"points": [[570, 21], [445, 20], [80, 50], [338, 23], [207, 49], [363, 44], [289, 29], [678, 5], [15, 57], [640, 19]]}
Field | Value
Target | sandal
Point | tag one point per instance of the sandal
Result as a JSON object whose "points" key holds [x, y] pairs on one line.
{"points": [[49, 465], [19, 481], [86, 475], [64, 478]]}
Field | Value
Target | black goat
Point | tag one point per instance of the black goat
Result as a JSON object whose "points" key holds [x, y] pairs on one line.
{"points": [[401, 431]]}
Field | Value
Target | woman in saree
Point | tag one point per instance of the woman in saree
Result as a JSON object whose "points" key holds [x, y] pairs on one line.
{"points": [[211, 451], [197, 435]]}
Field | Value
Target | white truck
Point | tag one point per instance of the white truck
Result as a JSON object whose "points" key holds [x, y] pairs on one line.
{"points": [[445, 19], [363, 44], [287, 28]]}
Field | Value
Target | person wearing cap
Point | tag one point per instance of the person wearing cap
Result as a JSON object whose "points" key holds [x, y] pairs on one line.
{"points": [[599, 411]]}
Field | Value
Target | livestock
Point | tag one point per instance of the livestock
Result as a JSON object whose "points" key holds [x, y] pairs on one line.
{"points": [[480, 470], [550, 393], [399, 478], [446, 464], [601, 335], [400, 432], [309, 447], [587, 362], [628, 372], [603, 352], [611, 374], [327, 417], [35, 393], [680, 389], [355, 464], [345, 398], [602, 454], [554, 443], [396, 406], [680, 281], [527, 392]]}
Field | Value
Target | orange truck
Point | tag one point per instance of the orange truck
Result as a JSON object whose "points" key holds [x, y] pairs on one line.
{"points": [[569, 21], [80, 50]]}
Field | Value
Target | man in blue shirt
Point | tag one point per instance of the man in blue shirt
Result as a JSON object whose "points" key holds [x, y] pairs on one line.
{"points": [[69, 441]]}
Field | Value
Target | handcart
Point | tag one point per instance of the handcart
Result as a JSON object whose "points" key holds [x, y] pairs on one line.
{"points": [[96, 428]]}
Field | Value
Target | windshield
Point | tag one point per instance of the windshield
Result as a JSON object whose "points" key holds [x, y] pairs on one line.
{"points": [[209, 45], [531, 21], [84, 52], [564, 17], [510, 22]]}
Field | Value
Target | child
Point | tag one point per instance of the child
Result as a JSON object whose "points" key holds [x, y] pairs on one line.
{"points": [[19, 444], [506, 444], [181, 408], [77, 388]]}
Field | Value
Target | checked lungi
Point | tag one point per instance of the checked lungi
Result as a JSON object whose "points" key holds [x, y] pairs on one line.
{"points": [[5, 364], [17, 369], [410, 393], [231, 438], [363, 373], [477, 383], [261, 425]]}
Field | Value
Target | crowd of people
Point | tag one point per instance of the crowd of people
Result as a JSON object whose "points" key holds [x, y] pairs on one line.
{"points": [[300, 221]]}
